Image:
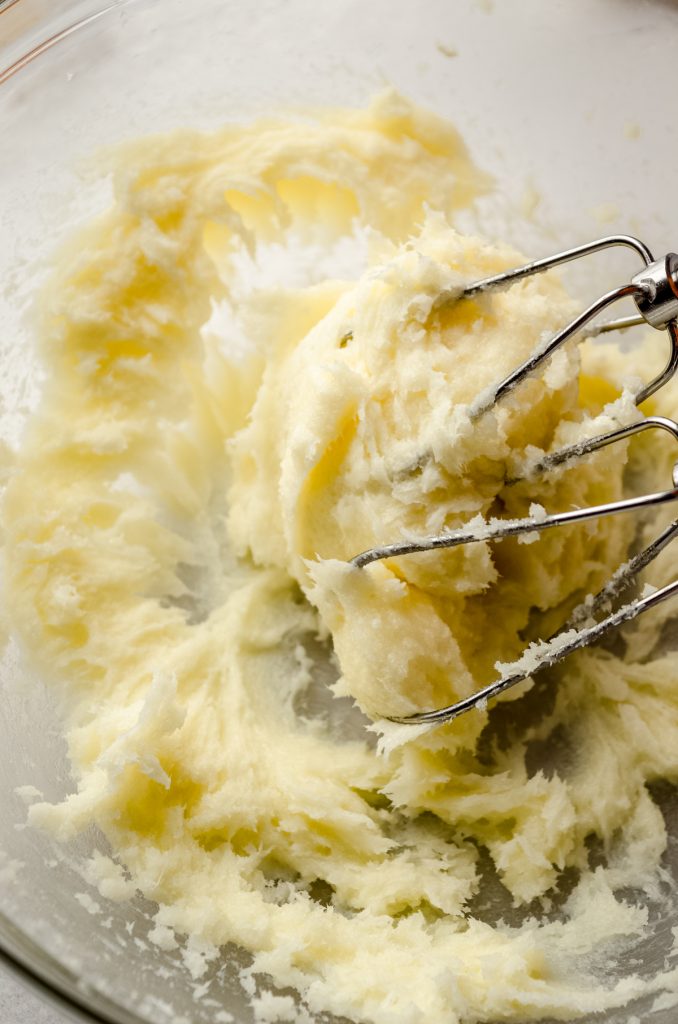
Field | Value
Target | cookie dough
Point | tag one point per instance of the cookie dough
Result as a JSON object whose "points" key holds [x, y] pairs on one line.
{"points": [[258, 365]]}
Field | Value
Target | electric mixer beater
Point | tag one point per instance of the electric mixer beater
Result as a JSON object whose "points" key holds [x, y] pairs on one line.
{"points": [[654, 289]]}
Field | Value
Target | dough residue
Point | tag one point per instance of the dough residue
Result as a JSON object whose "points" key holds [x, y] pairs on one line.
{"points": [[258, 365]]}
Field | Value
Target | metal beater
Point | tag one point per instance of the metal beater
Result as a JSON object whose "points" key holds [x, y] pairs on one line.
{"points": [[654, 290]]}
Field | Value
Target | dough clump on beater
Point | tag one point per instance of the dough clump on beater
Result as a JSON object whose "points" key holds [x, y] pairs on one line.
{"points": [[368, 420]]}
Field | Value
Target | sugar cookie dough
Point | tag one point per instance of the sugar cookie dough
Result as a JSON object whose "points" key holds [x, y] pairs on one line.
{"points": [[258, 365]]}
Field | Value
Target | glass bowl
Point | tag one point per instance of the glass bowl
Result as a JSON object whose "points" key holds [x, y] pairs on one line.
{"points": [[553, 99]]}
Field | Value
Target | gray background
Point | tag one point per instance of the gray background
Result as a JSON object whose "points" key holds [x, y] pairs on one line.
{"points": [[19, 1006]]}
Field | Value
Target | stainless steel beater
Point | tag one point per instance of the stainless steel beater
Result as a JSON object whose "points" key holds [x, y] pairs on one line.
{"points": [[654, 290]]}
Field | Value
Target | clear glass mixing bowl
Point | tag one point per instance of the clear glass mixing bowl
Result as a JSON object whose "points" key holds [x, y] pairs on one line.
{"points": [[552, 99]]}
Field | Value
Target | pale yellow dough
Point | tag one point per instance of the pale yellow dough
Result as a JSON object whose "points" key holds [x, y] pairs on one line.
{"points": [[177, 534]]}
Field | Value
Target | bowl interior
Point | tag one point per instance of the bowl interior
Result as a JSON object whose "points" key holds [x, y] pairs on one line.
{"points": [[551, 99]]}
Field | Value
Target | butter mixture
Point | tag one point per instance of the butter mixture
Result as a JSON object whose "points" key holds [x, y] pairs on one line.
{"points": [[258, 365]]}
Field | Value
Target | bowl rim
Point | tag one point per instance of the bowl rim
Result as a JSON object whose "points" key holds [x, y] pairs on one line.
{"points": [[21, 957], [56, 37]]}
